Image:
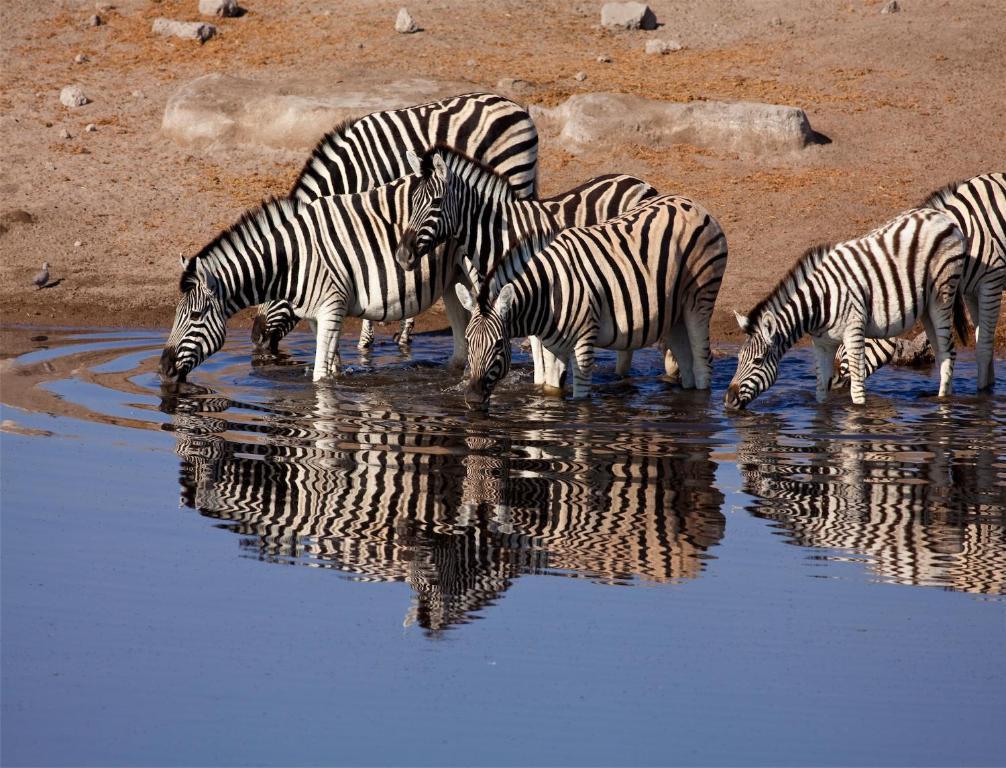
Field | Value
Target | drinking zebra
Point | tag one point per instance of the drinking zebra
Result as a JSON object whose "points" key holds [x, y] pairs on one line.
{"points": [[979, 207], [329, 258], [649, 275], [466, 201], [875, 286], [365, 153]]}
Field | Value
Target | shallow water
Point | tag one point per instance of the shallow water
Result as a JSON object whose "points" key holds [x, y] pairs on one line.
{"points": [[641, 579]]}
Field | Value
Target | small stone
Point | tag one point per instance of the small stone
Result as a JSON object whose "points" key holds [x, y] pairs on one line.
{"points": [[90, 127], [138, 95], [80, 58], [514, 87], [94, 21], [73, 96], [891, 7], [220, 8], [775, 21], [65, 134], [77, 243], [187, 30], [604, 59], [580, 77], [50, 166], [627, 16], [405, 24], [471, 62], [359, 46], [662, 46]]}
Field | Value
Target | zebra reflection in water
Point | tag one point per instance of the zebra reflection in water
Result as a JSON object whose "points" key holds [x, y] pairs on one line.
{"points": [[925, 510], [454, 510]]}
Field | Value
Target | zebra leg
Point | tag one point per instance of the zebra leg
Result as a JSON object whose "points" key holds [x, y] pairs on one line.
{"points": [[326, 355], [404, 335], [555, 372], [985, 319], [538, 359], [698, 338], [824, 352], [854, 350], [938, 321], [366, 335], [583, 367], [623, 362], [457, 316], [681, 353]]}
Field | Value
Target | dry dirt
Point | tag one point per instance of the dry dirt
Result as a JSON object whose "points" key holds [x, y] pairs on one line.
{"points": [[910, 100]]}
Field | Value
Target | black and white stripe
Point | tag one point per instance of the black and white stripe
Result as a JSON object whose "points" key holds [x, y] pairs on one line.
{"points": [[452, 510], [623, 280], [876, 286], [367, 152], [328, 259], [979, 207]]}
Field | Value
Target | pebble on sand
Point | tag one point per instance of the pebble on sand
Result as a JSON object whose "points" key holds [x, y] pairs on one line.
{"points": [[219, 8], [404, 23], [187, 30], [73, 96], [892, 7]]}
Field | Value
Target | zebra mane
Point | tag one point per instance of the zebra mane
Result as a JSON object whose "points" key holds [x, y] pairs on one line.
{"points": [[935, 199], [792, 280], [259, 218], [426, 164], [326, 141]]}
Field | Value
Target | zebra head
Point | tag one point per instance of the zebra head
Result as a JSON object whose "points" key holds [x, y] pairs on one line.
{"points": [[488, 337], [757, 362], [200, 324], [430, 222]]}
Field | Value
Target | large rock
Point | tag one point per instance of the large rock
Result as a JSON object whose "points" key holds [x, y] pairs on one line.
{"points": [[73, 96], [586, 121], [627, 16], [220, 110]]}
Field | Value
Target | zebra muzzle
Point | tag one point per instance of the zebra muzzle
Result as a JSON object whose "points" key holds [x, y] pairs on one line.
{"points": [[169, 365], [732, 398], [406, 254]]}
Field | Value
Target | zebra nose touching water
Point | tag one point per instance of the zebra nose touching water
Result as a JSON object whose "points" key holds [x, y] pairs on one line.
{"points": [[876, 287]]}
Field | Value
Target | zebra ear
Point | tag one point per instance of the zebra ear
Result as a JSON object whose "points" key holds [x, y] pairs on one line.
{"points": [[439, 165], [768, 326], [465, 297], [414, 162], [504, 301], [742, 321], [181, 260]]}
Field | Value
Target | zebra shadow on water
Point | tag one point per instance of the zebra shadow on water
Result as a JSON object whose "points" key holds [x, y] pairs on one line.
{"points": [[456, 507], [922, 506]]}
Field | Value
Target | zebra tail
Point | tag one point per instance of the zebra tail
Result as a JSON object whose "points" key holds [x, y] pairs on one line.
{"points": [[961, 325]]}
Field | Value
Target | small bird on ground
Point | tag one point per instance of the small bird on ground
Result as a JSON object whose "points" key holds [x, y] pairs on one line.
{"points": [[42, 278]]}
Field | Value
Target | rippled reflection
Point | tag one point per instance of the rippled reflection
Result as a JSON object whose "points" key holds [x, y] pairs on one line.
{"points": [[455, 508], [922, 503]]}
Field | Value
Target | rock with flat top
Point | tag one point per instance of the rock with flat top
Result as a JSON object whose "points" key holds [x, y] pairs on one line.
{"points": [[891, 7], [662, 46], [73, 96], [627, 16], [292, 113], [220, 8], [404, 23], [587, 121], [187, 30]]}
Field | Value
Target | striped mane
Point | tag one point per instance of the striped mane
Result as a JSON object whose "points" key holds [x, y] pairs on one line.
{"points": [[935, 199], [326, 142], [261, 219], [475, 167], [787, 286]]}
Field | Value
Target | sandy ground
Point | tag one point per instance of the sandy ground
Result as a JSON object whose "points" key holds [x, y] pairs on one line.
{"points": [[911, 101]]}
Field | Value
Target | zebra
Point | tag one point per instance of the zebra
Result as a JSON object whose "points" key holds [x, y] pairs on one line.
{"points": [[327, 258], [880, 352], [877, 286], [363, 153], [464, 200], [651, 274], [979, 207]]}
